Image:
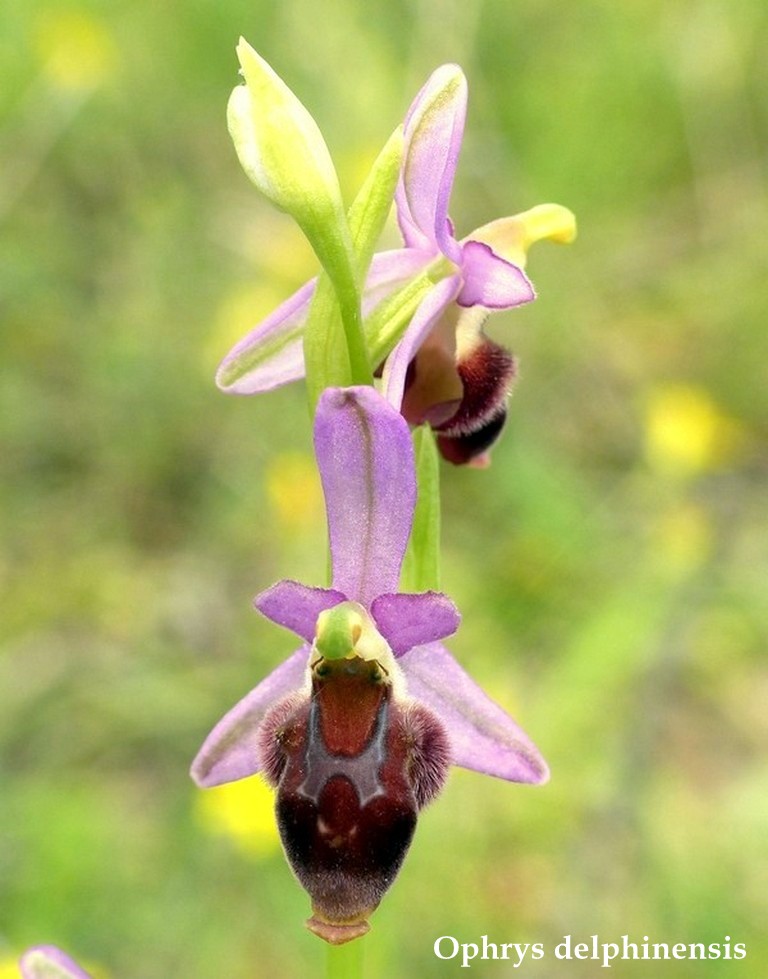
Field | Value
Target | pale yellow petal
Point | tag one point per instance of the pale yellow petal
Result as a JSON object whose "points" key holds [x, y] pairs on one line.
{"points": [[511, 237]]}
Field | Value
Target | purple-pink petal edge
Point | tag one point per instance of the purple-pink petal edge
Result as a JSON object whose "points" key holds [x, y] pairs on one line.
{"points": [[483, 736], [230, 751], [295, 606]]}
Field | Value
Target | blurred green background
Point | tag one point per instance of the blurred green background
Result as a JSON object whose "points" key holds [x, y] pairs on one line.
{"points": [[611, 566]]}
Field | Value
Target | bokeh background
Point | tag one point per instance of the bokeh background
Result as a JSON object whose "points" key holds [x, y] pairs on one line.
{"points": [[611, 565]]}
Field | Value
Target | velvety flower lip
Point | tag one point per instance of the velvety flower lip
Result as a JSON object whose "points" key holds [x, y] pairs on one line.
{"points": [[49, 962], [365, 457], [352, 763]]}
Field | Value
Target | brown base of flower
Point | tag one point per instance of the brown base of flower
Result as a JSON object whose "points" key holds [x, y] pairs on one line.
{"points": [[337, 933]]}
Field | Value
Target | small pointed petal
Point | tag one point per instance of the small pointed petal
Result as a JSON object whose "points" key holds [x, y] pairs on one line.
{"points": [[295, 606], [271, 354], [49, 962], [230, 751], [407, 620], [365, 457], [426, 317], [491, 281], [434, 128], [483, 737]]}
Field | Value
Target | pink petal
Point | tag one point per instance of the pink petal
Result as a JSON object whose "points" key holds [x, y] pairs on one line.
{"points": [[424, 320], [272, 353], [434, 128], [49, 962], [296, 606], [408, 620], [483, 736], [491, 281], [390, 271], [229, 752], [365, 457]]}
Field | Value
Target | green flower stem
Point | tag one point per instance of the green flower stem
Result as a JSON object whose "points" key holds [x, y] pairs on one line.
{"points": [[326, 354], [333, 246], [335, 353], [345, 961], [352, 319], [421, 568]]}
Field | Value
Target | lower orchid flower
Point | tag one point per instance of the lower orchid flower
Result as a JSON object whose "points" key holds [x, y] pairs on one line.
{"points": [[425, 304], [357, 728]]}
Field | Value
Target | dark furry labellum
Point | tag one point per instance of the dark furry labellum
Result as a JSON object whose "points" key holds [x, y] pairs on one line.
{"points": [[466, 448], [466, 426], [353, 765]]}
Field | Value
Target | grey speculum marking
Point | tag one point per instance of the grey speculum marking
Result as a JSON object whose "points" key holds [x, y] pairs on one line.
{"points": [[361, 770]]}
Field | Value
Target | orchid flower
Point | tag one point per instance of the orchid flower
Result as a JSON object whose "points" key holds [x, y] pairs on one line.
{"points": [[49, 962], [424, 305], [356, 729]]}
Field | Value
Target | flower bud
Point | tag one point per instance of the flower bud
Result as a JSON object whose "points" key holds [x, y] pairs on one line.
{"points": [[282, 150], [278, 142]]}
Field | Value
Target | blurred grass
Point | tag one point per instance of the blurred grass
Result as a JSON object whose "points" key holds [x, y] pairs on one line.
{"points": [[611, 566]]}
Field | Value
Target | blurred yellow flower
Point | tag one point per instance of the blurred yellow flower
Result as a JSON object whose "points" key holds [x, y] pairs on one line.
{"points": [[77, 50], [243, 811], [293, 490], [686, 433], [9, 968]]}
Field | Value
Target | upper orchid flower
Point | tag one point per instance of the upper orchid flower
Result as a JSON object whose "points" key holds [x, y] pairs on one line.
{"points": [[357, 727], [49, 962], [424, 305], [445, 370]]}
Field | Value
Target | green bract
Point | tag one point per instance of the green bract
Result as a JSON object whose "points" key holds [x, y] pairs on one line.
{"points": [[421, 568]]}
